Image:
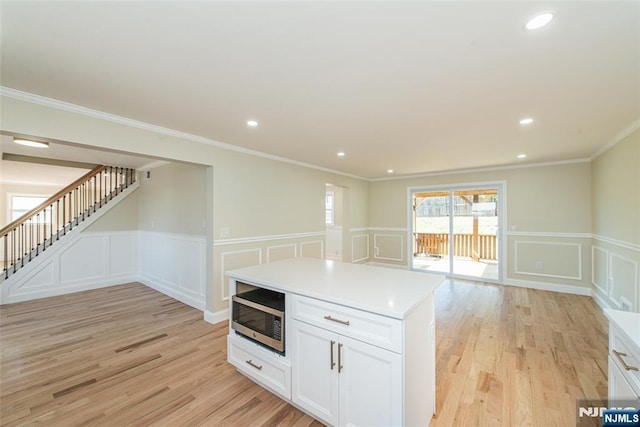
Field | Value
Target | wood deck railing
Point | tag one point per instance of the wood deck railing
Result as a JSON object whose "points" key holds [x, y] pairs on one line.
{"points": [[34, 232], [437, 244]]}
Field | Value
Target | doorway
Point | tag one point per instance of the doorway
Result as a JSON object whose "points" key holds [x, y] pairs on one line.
{"points": [[456, 230], [334, 221]]}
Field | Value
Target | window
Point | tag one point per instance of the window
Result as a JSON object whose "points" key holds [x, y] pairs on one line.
{"points": [[328, 208], [20, 205]]}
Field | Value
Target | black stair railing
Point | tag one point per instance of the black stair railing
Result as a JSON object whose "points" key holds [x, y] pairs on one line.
{"points": [[34, 232]]}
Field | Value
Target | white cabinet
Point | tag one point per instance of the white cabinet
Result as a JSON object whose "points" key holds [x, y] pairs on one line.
{"points": [[348, 368], [263, 366], [360, 342], [315, 378], [619, 387], [343, 381], [370, 385], [624, 357]]}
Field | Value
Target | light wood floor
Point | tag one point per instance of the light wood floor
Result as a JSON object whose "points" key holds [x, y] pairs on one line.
{"points": [[128, 355]]}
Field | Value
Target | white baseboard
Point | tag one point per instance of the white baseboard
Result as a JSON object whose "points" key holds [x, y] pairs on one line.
{"points": [[217, 317], [64, 290], [172, 292], [602, 303], [554, 287]]}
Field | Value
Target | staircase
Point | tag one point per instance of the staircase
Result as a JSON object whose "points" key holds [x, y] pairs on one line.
{"points": [[35, 232]]}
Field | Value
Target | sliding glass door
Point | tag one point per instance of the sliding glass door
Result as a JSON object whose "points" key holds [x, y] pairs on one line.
{"points": [[456, 231]]}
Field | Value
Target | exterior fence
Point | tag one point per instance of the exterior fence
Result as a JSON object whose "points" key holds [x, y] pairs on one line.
{"points": [[437, 244]]}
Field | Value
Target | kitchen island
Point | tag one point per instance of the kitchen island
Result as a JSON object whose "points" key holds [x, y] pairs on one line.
{"points": [[359, 341]]}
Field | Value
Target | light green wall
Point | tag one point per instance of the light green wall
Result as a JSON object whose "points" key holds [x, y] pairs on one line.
{"points": [[553, 198], [548, 209], [616, 224], [121, 217], [616, 191], [174, 200]]}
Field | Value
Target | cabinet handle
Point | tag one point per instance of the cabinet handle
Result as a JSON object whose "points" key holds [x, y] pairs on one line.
{"points": [[340, 358], [344, 322], [249, 362], [332, 362], [618, 355]]}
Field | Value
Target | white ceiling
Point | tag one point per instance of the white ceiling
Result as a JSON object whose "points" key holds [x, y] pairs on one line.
{"points": [[410, 86]]}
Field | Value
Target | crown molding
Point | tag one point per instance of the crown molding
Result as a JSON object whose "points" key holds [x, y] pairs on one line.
{"points": [[484, 169], [616, 139], [88, 112]]}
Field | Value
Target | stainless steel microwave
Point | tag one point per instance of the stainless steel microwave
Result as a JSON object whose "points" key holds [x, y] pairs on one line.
{"points": [[258, 314]]}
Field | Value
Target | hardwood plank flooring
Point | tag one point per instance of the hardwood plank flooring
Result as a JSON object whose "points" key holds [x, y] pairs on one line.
{"points": [[128, 355], [516, 357]]}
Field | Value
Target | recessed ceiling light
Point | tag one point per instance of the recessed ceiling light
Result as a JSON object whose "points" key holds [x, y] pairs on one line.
{"points": [[539, 21], [252, 123], [389, 171], [522, 156], [526, 121], [340, 153], [28, 143]]}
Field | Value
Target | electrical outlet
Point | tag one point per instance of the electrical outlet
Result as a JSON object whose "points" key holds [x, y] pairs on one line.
{"points": [[225, 232], [538, 265]]}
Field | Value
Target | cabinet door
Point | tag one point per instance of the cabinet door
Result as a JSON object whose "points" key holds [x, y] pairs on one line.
{"points": [[370, 382], [315, 379], [619, 387]]}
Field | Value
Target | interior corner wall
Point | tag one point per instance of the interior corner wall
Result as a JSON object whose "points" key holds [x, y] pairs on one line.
{"points": [[616, 225], [173, 200], [547, 208]]}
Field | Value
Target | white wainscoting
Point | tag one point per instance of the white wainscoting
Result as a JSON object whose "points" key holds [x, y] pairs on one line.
{"points": [[388, 247], [312, 249], [275, 253], [231, 254], [600, 270], [233, 259], [615, 273], [175, 265], [359, 248], [85, 261], [623, 269], [529, 253]]}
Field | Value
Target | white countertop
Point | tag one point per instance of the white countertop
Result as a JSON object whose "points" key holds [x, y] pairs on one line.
{"points": [[387, 291], [628, 322]]}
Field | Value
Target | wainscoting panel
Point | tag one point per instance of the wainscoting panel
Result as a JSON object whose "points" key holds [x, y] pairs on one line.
{"points": [[389, 247], [231, 260], [623, 272], [43, 278], [123, 255], [175, 265], [84, 260], [360, 248], [600, 270], [275, 253], [314, 249], [81, 262], [150, 255], [616, 273], [231, 254], [548, 259]]}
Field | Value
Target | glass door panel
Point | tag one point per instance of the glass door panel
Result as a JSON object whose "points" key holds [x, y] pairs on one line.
{"points": [[431, 230], [474, 239]]}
